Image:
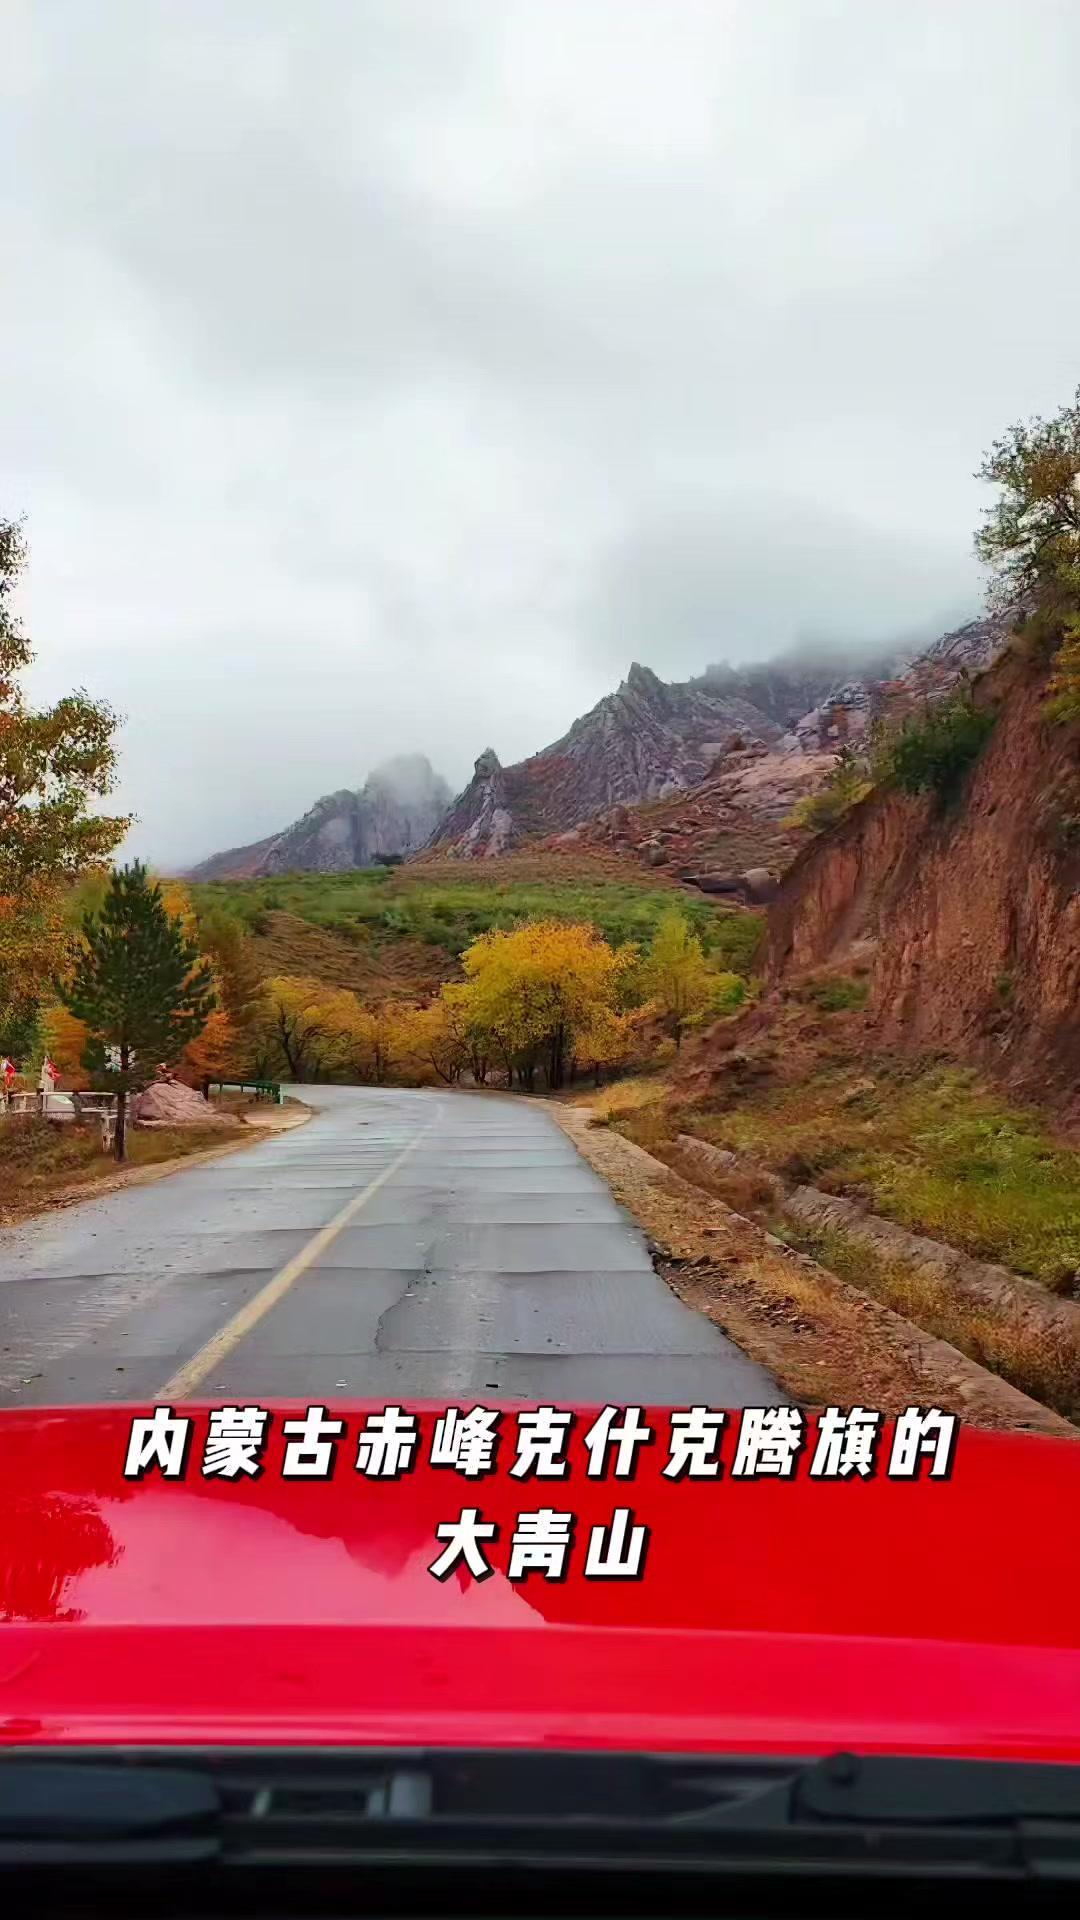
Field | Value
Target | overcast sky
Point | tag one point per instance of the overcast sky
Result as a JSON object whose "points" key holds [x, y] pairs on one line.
{"points": [[384, 376]]}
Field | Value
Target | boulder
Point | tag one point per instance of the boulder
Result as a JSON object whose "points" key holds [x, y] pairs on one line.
{"points": [[168, 1103], [758, 884], [727, 883]]}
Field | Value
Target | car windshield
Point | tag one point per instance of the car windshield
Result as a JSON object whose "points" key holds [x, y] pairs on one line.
{"points": [[540, 898]]}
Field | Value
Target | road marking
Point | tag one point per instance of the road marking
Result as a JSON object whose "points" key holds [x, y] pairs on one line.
{"points": [[191, 1375]]}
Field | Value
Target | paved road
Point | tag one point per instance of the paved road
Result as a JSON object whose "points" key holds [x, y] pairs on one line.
{"points": [[402, 1244]]}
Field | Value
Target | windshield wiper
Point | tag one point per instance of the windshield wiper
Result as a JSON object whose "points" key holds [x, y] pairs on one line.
{"points": [[265, 1808]]}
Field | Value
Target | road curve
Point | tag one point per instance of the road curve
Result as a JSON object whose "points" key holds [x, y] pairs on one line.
{"points": [[403, 1245]]}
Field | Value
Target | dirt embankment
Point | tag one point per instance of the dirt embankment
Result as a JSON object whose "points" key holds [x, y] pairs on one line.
{"points": [[967, 916]]}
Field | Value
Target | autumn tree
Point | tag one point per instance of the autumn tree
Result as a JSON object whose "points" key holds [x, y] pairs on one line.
{"points": [[55, 762], [437, 1036], [226, 941], [458, 1000], [138, 983], [20, 1025], [228, 1047], [67, 1041], [606, 1040], [676, 973], [218, 1052], [1030, 536], [371, 1041], [297, 1026], [535, 989]]}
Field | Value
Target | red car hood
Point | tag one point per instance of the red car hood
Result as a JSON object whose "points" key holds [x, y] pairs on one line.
{"points": [[932, 1617]]}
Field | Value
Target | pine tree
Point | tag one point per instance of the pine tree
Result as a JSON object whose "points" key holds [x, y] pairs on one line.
{"points": [[139, 985]]}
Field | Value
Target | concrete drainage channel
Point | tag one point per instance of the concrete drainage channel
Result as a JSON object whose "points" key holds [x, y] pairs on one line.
{"points": [[983, 1291]]}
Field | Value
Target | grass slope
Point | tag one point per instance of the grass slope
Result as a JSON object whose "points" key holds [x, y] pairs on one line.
{"points": [[398, 932], [40, 1160], [927, 1145]]}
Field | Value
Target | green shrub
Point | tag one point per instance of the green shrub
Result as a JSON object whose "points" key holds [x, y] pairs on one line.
{"points": [[933, 749], [843, 787], [732, 940], [838, 994], [1064, 689], [730, 991]]}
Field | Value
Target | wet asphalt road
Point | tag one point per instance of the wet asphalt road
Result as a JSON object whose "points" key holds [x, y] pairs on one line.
{"points": [[478, 1253]]}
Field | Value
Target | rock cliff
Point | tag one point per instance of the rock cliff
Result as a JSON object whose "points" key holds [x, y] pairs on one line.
{"points": [[967, 917]]}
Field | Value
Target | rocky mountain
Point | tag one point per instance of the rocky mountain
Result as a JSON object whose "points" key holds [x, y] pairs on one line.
{"points": [[392, 814], [651, 741], [713, 834], [646, 741], [740, 745]]}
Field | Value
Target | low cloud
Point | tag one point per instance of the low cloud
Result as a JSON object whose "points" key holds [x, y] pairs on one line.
{"points": [[385, 379]]}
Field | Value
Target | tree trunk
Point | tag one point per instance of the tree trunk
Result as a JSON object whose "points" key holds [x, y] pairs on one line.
{"points": [[120, 1136]]}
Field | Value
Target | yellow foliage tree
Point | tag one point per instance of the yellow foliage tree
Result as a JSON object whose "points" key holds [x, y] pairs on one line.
{"points": [[297, 1027], [537, 990], [607, 1040], [459, 1000], [367, 1040], [224, 939], [179, 907], [56, 763], [437, 1037], [676, 973]]}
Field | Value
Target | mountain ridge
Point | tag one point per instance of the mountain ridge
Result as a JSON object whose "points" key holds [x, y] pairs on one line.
{"points": [[652, 740], [390, 816], [647, 742]]}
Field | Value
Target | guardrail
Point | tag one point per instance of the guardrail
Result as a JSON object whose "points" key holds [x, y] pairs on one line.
{"points": [[262, 1089]]}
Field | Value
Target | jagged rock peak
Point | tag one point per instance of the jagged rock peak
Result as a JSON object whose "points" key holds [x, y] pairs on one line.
{"points": [[487, 763], [642, 680], [391, 815]]}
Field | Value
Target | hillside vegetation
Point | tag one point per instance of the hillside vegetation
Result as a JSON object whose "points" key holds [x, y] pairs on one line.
{"points": [[399, 932], [929, 1145], [448, 903], [531, 971]]}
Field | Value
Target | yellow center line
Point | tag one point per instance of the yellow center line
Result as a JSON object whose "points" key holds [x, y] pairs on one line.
{"points": [[183, 1383]]}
